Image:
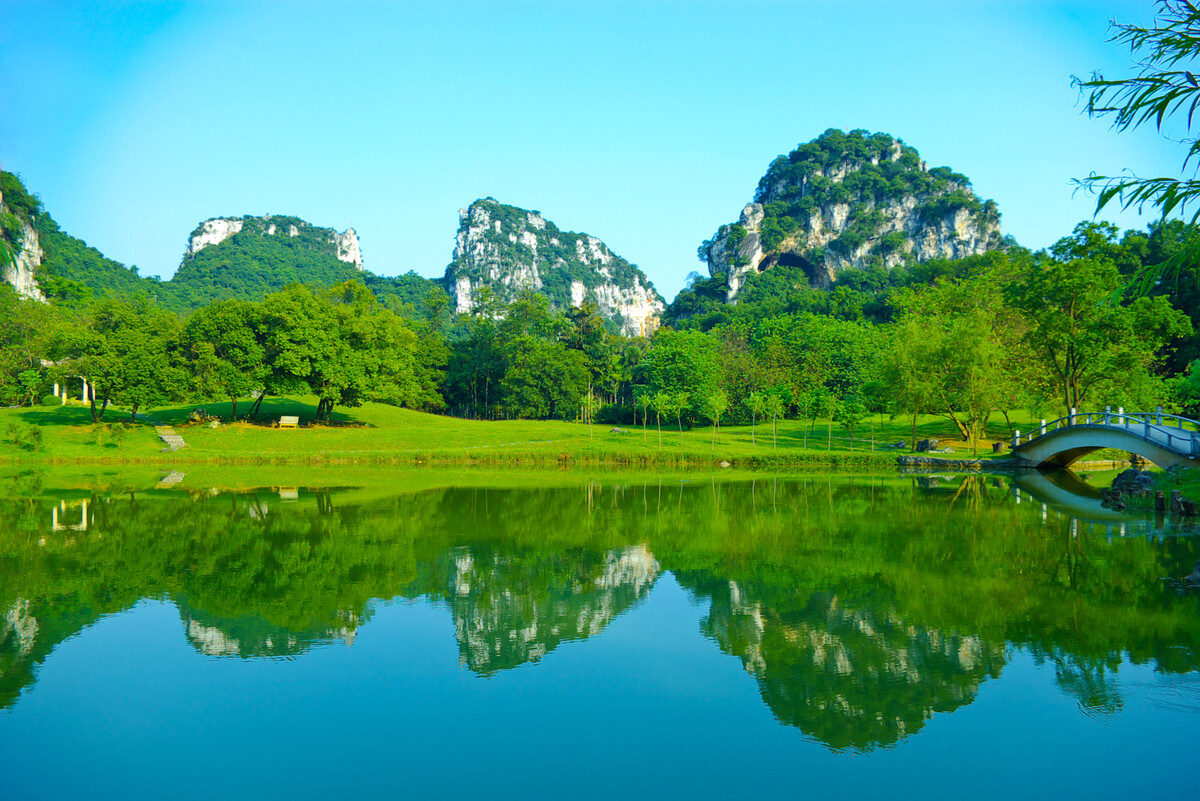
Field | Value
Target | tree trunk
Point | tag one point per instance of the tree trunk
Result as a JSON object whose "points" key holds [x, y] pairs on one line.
{"points": [[233, 415], [963, 430], [97, 415], [253, 415]]}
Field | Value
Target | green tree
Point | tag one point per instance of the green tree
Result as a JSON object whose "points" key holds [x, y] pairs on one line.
{"points": [[223, 344], [756, 402], [476, 365], [850, 412], [958, 349], [1088, 348], [775, 407], [715, 405], [32, 332], [342, 347], [544, 379], [686, 363], [660, 402], [589, 404], [1187, 389], [907, 373], [130, 356], [674, 403]]}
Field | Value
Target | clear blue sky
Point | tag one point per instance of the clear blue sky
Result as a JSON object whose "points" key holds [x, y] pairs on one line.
{"points": [[646, 124]]}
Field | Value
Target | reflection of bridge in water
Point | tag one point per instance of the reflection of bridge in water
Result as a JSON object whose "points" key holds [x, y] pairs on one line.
{"points": [[1065, 495], [1167, 440]]}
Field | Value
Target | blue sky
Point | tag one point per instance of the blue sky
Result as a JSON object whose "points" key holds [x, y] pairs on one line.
{"points": [[646, 124]]}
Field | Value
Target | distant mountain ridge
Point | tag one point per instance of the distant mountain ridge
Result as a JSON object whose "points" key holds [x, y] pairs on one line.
{"points": [[244, 257], [253, 256]]}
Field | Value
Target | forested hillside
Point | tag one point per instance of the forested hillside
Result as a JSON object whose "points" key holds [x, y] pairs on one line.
{"points": [[248, 265], [965, 338]]}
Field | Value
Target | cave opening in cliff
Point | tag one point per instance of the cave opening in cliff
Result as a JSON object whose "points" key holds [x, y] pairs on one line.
{"points": [[790, 262]]}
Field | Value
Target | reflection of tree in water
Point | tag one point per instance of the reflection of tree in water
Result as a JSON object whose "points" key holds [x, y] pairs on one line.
{"points": [[844, 599], [511, 607], [257, 584], [846, 671], [1091, 682]]}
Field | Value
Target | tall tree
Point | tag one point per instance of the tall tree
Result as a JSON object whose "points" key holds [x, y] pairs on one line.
{"points": [[1162, 92], [1094, 352], [130, 356], [223, 342]]}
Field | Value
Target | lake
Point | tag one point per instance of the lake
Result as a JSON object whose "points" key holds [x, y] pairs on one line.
{"points": [[586, 636]]}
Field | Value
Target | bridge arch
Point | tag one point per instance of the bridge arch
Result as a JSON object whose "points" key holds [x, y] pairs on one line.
{"points": [[1067, 440]]}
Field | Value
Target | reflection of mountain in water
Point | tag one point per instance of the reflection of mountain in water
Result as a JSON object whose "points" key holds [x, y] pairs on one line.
{"points": [[18, 636], [253, 636], [851, 674], [860, 607], [18, 631], [511, 608]]}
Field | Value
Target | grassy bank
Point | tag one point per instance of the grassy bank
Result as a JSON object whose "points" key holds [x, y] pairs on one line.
{"points": [[368, 482], [380, 435]]}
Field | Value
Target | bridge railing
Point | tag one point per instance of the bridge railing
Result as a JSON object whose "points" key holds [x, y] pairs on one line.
{"points": [[1176, 433]]}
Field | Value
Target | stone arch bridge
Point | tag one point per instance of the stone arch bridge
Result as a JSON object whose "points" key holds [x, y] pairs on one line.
{"points": [[1165, 439]]}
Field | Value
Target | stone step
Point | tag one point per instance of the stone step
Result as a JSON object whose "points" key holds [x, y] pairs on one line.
{"points": [[170, 438]]}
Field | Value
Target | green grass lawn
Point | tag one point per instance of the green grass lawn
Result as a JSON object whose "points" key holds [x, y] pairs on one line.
{"points": [[375, 433]]}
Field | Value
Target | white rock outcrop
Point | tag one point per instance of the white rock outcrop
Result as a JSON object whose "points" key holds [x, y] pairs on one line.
{"points": [[345, 245], [28, 257], [510, 250], [348, 248], [214, 232]]}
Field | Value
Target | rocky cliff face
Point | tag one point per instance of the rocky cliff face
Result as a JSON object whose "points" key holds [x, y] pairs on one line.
{"points": [[344, 245], [510, 250], [846, 201], [20, 235]]}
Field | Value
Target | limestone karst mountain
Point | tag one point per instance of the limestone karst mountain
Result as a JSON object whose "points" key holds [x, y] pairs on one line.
{"points": [[845, 201], [510, 250]]}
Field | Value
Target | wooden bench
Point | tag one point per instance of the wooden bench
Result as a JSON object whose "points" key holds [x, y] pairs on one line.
{"points": [[288, 421]]}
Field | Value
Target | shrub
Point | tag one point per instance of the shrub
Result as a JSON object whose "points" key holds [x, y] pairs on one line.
{"points": [[25, 437], [51, 400]]}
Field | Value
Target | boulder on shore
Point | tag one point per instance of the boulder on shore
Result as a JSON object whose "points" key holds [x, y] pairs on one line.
{"points": [[1134, 480]]}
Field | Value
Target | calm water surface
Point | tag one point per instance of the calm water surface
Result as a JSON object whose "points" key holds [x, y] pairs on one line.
{"points": [[915, 637]]}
